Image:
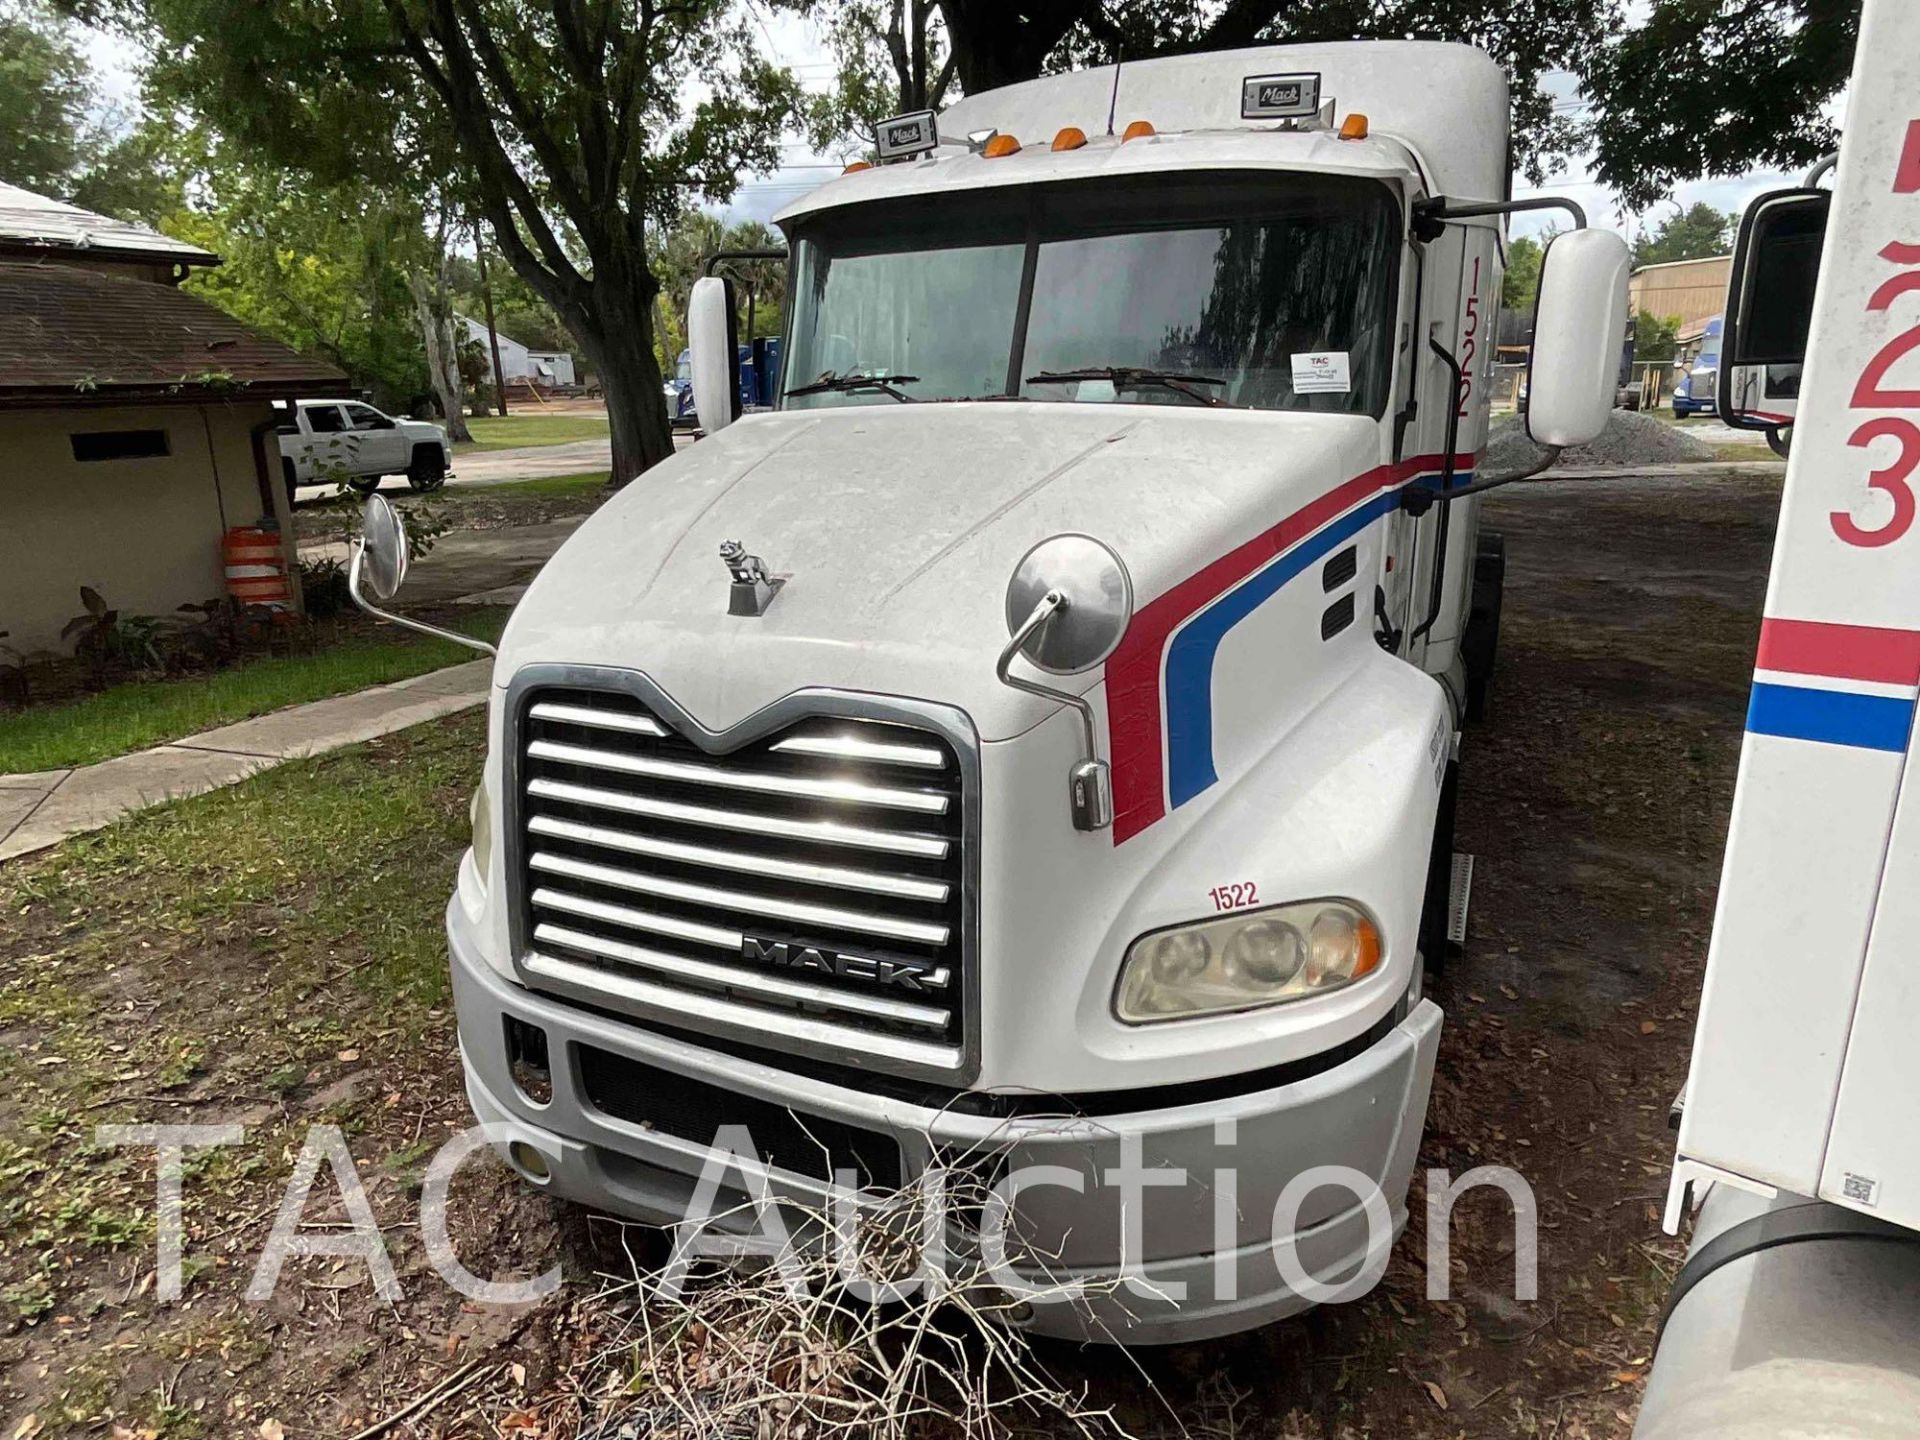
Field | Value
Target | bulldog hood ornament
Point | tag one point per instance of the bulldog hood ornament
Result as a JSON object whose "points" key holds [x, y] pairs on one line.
{"points": [[753, 586]]}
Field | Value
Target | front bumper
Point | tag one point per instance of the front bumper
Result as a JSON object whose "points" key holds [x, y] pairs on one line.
{"points": [[1198, 1264]]}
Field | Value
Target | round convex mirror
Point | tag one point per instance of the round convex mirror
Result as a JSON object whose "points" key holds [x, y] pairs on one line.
{"points": [[1099, 596], [383, 540]]}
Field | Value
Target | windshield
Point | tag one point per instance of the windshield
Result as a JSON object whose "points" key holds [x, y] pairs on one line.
{"points": [[1277, 290]]}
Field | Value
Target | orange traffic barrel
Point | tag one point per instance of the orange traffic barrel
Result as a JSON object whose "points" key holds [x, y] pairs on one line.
{"points": [[256, 567]]}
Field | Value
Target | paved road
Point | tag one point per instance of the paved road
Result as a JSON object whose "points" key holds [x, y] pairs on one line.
{"points": [[530, 462], [471, 563]]}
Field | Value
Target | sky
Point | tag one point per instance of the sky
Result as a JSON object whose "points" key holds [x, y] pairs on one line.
{"points": [[798, 42]]}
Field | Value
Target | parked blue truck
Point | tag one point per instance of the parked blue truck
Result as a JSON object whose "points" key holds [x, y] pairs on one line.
{"points": [[759, 382]]}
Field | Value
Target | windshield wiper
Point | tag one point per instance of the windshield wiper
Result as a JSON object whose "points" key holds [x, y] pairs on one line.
{"points": [[1129, 377], [885, 384]]}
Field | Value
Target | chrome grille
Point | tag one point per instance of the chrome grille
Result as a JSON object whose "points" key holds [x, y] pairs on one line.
{"points": [[804, 889]]}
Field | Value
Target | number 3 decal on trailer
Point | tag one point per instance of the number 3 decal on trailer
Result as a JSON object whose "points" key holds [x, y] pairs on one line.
{"points": [[1892, 479]]}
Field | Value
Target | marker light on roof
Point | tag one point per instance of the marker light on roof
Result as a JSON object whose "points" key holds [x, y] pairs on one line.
{"points": [[1071, 137], [1138, 130], [1354, 127], [857, 166], [1001, 145]]}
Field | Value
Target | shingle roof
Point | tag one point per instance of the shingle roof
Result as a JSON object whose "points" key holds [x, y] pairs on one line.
{"points": [[76, 336], [30, 221]]}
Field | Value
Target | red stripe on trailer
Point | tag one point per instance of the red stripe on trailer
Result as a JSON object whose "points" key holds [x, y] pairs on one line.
{"points": [[1906, 180], [1841, 652]]}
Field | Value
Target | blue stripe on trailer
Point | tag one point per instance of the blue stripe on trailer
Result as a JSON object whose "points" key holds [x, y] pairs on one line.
{"points": [[1833, 717]]}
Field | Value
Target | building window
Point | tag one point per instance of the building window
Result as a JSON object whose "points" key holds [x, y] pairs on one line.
{"points": [[119, 444]]}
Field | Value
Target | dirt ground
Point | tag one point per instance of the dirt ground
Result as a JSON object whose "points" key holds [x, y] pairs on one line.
{"points": [[269, 956]]}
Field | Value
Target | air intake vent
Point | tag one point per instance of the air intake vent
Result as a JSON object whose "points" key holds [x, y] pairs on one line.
{"points": [[1340, 569], [805, 890], [1336, 617]]}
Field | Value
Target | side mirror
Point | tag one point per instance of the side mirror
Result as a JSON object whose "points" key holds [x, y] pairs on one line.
{"points": [[379, 566], [383, 548], [1572, 377], [1093, 597], [1068, 606], [1763, 341], [715, 349]]}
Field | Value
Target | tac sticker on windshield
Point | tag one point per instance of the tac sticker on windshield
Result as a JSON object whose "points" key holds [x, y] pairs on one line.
{"points": [[1323, 373]]}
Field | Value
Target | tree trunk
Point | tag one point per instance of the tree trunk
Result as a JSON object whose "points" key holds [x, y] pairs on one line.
{"points": [[443, 361], [618, 339], [996, 44]]}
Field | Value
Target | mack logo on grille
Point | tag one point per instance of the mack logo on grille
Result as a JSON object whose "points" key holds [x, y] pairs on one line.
{"points": [[896, 974]]}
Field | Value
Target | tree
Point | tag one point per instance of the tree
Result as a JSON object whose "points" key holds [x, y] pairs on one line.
{"points": [[322, 268], [890, 57], [1521, 285], [44, 93], [681, 253], [1655, 337], [564, 125], [1693, 234], [1751, 93]]}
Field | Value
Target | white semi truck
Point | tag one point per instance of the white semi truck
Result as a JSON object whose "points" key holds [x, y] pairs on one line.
{"points": [[1034, 732], [1798, 1309]]}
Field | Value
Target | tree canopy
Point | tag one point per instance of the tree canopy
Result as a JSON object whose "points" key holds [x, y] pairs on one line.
{"points": [[1696, 233], [44, 92], [1520, 287], [1750, 93], [566, 127]]}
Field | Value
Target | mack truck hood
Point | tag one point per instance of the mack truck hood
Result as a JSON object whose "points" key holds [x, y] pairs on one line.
{"points": [[899, 527]]}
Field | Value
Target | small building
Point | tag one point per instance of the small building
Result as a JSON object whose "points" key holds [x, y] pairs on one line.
{"points": [[1690, 291], [136, 420], [545, 368]]}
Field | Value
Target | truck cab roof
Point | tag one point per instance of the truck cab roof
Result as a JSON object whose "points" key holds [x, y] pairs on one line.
{"points": [[1437, 112]]}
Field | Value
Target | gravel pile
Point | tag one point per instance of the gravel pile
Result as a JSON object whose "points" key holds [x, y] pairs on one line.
{"points": [[1629, 439]]}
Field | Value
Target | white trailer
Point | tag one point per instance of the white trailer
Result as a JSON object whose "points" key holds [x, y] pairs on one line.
{"points": [[1070, 775], [1798, 1311]]}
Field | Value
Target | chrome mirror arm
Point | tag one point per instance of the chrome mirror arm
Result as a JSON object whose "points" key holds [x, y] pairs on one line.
{"points": [[1090, 782], [353, 589]]}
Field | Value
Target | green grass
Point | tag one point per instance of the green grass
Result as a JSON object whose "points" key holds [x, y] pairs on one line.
{"points": [[136, 714], [262, 932], [494, 432], [547, 487]]}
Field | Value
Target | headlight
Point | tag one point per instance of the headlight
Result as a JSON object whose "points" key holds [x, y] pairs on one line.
{"points": [[1242, 961], [480, 812]]}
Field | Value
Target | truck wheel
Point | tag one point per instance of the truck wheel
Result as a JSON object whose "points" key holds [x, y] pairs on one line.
{"points": [[1435, 948], [1480, 645], [428, 472], [364, 484]]}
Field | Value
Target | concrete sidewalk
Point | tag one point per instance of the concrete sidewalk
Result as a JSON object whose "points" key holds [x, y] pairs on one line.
{"points": [[45, 808]]}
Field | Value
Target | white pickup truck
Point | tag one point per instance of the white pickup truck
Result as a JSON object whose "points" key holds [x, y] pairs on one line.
{"points": [[343, 442]]}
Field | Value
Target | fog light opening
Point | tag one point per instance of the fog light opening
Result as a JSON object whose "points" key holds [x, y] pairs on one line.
{"points": [[527, 1061], [529, 1162]]}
